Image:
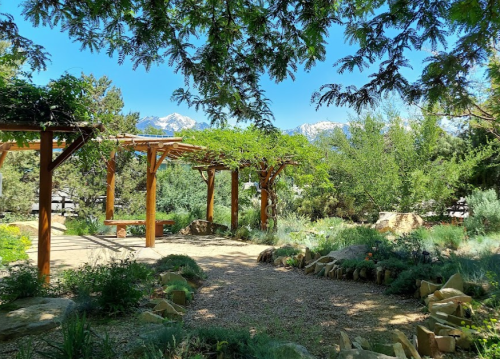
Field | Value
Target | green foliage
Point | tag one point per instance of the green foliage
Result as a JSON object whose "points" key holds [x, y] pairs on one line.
{"points": [[79, 341], [488, 340], [179, 285], [22, 281], [113, 288], [369, 265], [13, 245], [82, 226], [394, 264], [286, 251], [485, 212], [178, 262], [448, 236], [405, 283], [349, 263]]}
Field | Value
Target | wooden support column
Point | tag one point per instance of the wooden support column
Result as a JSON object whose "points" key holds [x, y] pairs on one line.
{"points": [[45, 200], [263, 201], [151, 199], [110, 186], [3, 154], [210, 194], [234, 200]]}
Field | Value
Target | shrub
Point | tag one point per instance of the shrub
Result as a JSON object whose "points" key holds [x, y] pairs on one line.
{"points": [[360, 235], [394, 264], [349, 263], [180, 285], [242, 233], [448, 236], [13, 245], [182, 263], [22, 282], [365, 265], [113, 288], [405, 283], [83, 226], [485, 209], [285, 251]]}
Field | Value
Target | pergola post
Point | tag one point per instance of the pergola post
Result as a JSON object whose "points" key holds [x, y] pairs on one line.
{"points": [[110, 186], [210, 194], [3, 155], [264, 195], [151, 199], [45, 204], [234, 200]]}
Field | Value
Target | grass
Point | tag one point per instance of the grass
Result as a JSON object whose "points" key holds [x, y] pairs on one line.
{"points": [[183, 264], [13, 244]]}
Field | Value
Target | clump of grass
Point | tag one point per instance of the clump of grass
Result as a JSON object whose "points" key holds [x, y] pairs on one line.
{"points": [[183, 264], [448, 236], [180, 285], [286, 251], [13, 244]]}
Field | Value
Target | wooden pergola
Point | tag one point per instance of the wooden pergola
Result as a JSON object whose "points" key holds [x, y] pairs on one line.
{"points": [[46, 145], [267, 178], [157, 150]]}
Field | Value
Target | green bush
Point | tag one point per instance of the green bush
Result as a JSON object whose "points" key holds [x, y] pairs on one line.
{"points": [[448, 236], [285, 251], [405, 283], [394, 264], [22, 281], [242, 233], [83, 226], [250, 217], [180, 285], [186, 265], [364, 264], [13, 244], [485, 209], [360, 235], [113, 288], [350, 263]]}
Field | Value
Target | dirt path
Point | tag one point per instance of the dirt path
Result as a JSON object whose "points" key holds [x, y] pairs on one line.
{"points": [[240, 293]]}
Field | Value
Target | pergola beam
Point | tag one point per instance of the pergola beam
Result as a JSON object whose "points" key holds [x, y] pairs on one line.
{"points": [[72, 148]]}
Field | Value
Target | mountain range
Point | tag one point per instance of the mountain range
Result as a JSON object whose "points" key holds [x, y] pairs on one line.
{"points": [[176, 122]]}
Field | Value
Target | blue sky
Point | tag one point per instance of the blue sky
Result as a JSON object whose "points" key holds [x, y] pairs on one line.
{"points": [[149, 92]]}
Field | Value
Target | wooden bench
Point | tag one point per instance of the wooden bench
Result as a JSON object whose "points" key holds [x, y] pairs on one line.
{"points": [[121, 225]]}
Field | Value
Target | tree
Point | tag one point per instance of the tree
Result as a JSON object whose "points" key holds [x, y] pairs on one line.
{"points": [[222, 48], [265, 153], [385, 31]]}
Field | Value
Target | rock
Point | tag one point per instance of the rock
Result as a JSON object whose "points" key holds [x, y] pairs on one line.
{"points": [[277, 261], [340, 273], [344, 341], [365, 344], [361, 354], [447, 293], [363, 273], [443, 330], [349, 272], [431, 298], [31, 228], [387, 277], [301, 260], [399, 351], [58, 219], [408, 347], [148, 317], [455, 282], [446, 344], [380, 275], [351, 252], [309, 268], [448, 307], [167, 310], [318, 267], [33, 316], [308, 255], [398, 223], [266, 256], [458, 300], [289, 351], [168, 277], [458, 321], [317, 256], [179, 297], [355, 275], [427, 342], [427, 288], [203, 228], [329, 267]]}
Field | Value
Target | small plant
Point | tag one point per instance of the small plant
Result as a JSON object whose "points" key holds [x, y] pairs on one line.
{"points": [[13, 244], [180, 285], [242, 233], [186, 265], [488, 341], [286, 251], [22, 281], [485, 212], [79, 341], [405, 283], [448, 236], [394, 264], [25, 350], [369, 265]]}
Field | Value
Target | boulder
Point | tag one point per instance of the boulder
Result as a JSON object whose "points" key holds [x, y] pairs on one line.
{"points": [[179, 297], [318, 267], [448, 307], [398, 223], [455, 282], [445, 344], [168, 277], [387, 277], [361, 354], [31, 228], [408, 347], [427, 344], [308, 255], [363, 273], [278, 261], [328, 267], [201, 227], [344, 341], [33, 316], [148, 317], [340, 273], [399, 351], [363, 343], [427, 288], [448, 293], [266, 256], [380, 275], [166, 310], [355, 274]]}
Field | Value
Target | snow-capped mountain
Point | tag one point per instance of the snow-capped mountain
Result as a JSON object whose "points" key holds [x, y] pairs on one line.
{"points": [[171, 123], [311, 131]]}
